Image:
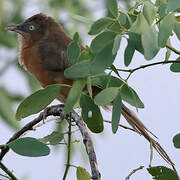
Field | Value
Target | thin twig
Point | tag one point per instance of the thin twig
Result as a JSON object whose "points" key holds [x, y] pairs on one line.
{"points": [[45, 121], [125, 127], [7, 171], [131, 71], [68, 151], [134, 171], [173, 49]]}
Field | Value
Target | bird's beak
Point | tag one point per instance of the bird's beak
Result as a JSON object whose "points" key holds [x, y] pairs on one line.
{"points": [[16, 28], [12, 28]]}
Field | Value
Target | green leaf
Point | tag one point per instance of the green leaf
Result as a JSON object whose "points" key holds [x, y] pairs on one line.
{"points": [[122, 18], [165, 29], [30, 147], [53, 139], [176, 141], [91, 114], [135, 41], [100, 41], [140, 25], [100, 25], [74, 94], [128, 54], [84, 55], [162, 10], [131, 97], [6, 110], [37, 101], [73, 52], [89, 86], [127, 93], [106, 96], [116, 44], [103, 80], [115, 27], [76, 37], [173, 5], [125, 20], [175, 67], [113, 7], [116, 113], [113, 68], [150, 43], [103, 59], [159, 2], [149, 12], [79, 70], [82, 174], [176, 29], [162, 173]]}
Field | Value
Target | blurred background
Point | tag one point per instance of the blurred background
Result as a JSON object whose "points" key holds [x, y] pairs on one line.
{"points": [[117, 154]]}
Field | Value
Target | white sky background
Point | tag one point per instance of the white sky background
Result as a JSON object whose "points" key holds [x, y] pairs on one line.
{"points": [[117, 154]]}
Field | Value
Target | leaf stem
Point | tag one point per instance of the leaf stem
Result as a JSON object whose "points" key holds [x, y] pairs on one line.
{"points": [[7, 171], [69, 150], [125, 127]]}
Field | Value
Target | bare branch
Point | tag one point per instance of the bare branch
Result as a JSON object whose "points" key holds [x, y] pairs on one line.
{"points": [[134, 171]]}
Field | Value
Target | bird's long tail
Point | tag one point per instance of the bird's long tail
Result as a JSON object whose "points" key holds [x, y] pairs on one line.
{"points": [[141, 129]]}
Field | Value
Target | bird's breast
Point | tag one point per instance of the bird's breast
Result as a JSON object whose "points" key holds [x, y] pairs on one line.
{"points": [[31, 60]]}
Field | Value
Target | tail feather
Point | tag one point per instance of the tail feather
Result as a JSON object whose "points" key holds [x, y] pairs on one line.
{"points": [[141, 129]]}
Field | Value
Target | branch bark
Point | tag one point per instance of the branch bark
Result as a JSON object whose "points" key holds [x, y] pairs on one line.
{"points": [[134, 171], [7, 171], [58, 110]]}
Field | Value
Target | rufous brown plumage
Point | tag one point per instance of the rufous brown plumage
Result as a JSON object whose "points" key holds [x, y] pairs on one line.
{"points": [[43, 46]]}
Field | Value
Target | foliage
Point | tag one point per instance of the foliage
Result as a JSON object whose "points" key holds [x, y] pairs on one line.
{"points": [[147, 26], [29, 147], [162, 173]]}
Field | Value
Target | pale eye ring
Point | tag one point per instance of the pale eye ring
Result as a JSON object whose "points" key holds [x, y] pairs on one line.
{"points": [[31, 27]]}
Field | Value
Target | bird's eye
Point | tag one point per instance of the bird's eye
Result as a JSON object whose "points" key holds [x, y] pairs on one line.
{"points": [[31, 27]]}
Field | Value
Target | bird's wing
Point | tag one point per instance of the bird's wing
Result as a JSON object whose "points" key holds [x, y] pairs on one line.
{"points": [[53, 56]]}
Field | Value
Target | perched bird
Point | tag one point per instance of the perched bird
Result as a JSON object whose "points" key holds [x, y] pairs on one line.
{"points": [[43, 46]]}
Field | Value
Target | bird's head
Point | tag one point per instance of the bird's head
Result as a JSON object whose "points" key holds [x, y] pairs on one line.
{"points": [[32, 29]]}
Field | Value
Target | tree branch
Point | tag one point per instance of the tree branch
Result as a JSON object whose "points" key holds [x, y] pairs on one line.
{"points": [[131, 71], [58, 110], [7, 171], [134, 171], [89, 146]]}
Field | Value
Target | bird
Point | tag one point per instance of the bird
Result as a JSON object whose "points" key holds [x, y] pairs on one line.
{"points": [[43, 52]]}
